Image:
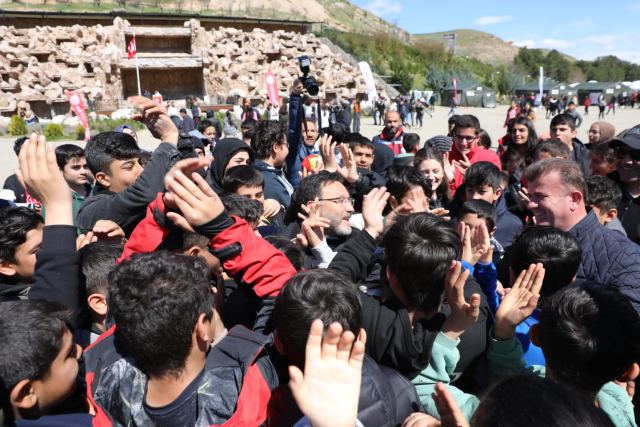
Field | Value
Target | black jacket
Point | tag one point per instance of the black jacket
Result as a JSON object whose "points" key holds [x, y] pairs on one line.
{"points": [[344, 118], [581, 156], [216, 123], [276, 185], [628, 210], [386, 399], [12, 183], [129, 207], [391, 340]]}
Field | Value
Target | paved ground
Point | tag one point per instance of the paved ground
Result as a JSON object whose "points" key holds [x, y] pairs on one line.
{"points": [[491, 119]]}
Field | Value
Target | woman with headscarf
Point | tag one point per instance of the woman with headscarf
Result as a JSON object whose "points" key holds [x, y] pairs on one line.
{"points": [[229, 152], [600, 131], [129, 131]]}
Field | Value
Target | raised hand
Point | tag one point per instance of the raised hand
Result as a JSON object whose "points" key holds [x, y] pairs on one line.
{"points": [[327, 151], [418, 419], [271, 208], [463, 164], [187, 167], [373, 205], [108, 231], [297, 87], [313, 224], [519, 302], [156, 118], [449, 169], [463, 314], [44, 181], [465, 236], [85, 239], [198, 204], [349, 169], [448, 409], [481, 244], [329, 390]]}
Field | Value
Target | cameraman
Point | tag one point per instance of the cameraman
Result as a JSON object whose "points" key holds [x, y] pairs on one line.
{"points": [[301, 143]]}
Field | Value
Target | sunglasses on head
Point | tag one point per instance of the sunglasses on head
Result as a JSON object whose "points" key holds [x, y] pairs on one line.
{"points": [[621, 152]]}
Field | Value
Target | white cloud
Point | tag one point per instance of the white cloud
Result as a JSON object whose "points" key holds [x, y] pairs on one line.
{"points": [[383, 7], [489, 20], [607, 40], [526, 43], [555, 44]]}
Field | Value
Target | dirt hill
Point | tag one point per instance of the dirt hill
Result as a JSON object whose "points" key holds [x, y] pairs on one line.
{"points": [[337, 14], [479, 45]]}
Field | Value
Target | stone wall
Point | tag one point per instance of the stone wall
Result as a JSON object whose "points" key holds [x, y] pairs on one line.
{"points": [[41, 64]]}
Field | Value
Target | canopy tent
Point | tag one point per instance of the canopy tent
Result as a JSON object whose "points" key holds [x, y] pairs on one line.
{"points": [[608, 89], [534, 87], [470, 95]]}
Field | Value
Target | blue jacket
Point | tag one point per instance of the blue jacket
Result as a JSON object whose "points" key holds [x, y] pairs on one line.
{"points": [[508, 224], [608, 257], [276, 185], [532, 354], [298, 150]]}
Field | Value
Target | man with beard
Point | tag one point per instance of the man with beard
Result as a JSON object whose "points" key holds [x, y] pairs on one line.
{"points": [[326, 194], [392, 133]]}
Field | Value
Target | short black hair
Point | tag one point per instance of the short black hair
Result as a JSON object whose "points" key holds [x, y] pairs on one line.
{"points": [[105, 147], [482, 209], [192, 239], [310, 188], [453, 119], [589, 335], [481, 174], [266, 134], [467, 121], [241, 175], [563, 119], [530, 400], [552, 146], [143, 158], [410, 141], [15, 223], [18, 143], [182, 110], [337, 132], [205, 124], [248, 124], [420, 243], [155, 298], [361, 141], [31, 333], [98, 260], [323, 294], [293, 253], [558, 251], [401, 179], [66, 152], [352, 136], [247, 209], [602, 193]]}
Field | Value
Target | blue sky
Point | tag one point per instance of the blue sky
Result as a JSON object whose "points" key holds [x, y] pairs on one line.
{"points": [[584, 29]]}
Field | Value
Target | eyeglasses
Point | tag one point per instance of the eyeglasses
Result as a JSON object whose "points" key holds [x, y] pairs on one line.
{"points": [[621, 152], [344, 201], [460, 138]]}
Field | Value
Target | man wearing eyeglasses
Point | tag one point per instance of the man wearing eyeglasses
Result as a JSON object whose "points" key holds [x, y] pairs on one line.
{"points": [[557, 198], [465, 151], [627, 175]]}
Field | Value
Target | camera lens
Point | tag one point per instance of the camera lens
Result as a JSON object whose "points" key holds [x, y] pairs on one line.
{"points": [[311, 86]]}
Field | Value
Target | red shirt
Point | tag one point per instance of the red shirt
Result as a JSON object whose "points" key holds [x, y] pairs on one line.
{"points": [[476, 155]]}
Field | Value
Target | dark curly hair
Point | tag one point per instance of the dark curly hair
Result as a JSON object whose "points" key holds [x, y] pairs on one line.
{"points": [[265, 135], [156, 298]]}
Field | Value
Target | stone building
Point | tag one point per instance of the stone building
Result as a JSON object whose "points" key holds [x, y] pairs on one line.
{"points": [[38, 65]]}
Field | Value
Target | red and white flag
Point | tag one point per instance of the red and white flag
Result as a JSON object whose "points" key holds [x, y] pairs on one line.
{"points": [[131, 50]]}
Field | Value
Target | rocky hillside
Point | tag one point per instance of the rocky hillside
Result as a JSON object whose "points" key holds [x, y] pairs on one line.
{"points": [[337, 14], [479, 45]]}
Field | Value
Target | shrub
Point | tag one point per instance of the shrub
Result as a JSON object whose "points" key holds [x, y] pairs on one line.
{"points": [[80, 133], [17, 126], [109, 124], [53, 130]]}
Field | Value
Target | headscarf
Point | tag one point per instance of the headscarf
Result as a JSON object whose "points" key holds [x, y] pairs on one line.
{"points": [[222, 153], [121, 128], [607, 130]]}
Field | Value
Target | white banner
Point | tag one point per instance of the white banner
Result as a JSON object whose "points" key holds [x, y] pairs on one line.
{"points": [[541, 85], [368, 79]]}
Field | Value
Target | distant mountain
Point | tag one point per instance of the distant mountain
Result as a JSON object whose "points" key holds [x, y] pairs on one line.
{"points": [[479, 45]]}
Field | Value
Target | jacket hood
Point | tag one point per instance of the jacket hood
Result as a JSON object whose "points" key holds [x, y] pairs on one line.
{"points": [[222, 153]]}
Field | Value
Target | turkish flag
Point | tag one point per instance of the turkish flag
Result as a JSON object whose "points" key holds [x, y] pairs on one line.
{"points": [[131, 50]]}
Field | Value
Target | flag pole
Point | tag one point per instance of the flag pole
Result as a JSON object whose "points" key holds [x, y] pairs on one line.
{"points": [[137, 69]]}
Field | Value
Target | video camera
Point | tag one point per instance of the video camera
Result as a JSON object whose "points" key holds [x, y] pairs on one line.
{"points": [[308, 81]]}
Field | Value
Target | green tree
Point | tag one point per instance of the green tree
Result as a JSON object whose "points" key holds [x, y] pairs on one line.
{"points": [[507, 83], [403, 78]]}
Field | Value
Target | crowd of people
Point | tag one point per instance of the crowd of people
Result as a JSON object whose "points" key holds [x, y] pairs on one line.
{"points": [[297, 274]]}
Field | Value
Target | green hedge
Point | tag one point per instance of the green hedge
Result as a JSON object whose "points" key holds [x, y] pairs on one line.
{"points": [[53, 130], [110, 124], [17, 126]]}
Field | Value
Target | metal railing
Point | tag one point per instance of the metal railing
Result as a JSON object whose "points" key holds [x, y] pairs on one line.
{"points": [[392, 92]]}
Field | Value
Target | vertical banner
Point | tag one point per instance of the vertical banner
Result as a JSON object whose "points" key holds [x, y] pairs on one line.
{"points": [[455, 93], [541, 85], [368, 80], [272, 89], [78, 107]]}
